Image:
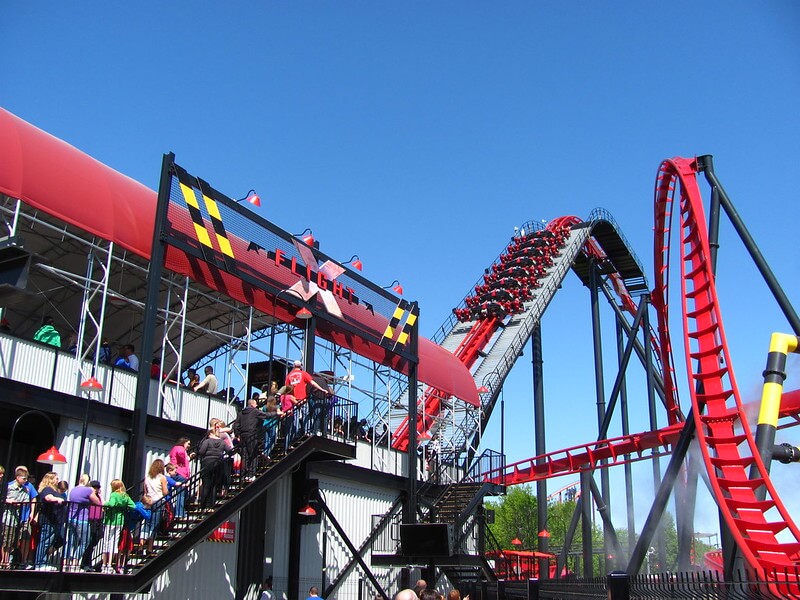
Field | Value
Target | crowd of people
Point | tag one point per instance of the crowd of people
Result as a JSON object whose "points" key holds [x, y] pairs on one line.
{"points": [[52, 527], [421, 591], [48, 334]]}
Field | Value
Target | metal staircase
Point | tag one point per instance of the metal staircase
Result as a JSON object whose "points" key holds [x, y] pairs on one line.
{"points": [[184, 533], [459, 505]]}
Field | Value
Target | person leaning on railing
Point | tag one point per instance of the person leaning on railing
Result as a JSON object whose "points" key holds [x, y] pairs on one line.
{"points": [[17, 519], [95, 528], [50, 517], [114, 512], [47, 333], [77, 525]]}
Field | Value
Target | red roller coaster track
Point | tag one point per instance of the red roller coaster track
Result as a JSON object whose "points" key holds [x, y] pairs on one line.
{"points": [[726, 441], [762, 528]]}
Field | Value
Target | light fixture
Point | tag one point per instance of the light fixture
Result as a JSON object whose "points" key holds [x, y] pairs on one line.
{"points": [[117, 299], [396, 287], [307, 236], [516, 542], [424, 435], [92, 386], [483, 389], [307, 511], [252, 198], [355, 261], [52, 457], [304, 314]]}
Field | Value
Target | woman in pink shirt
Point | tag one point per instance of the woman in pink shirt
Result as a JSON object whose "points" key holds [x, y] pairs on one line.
{"points": [[180, 457]]}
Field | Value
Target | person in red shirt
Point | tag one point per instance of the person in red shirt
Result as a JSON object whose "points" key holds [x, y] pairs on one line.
{"points": [[298, 380]]}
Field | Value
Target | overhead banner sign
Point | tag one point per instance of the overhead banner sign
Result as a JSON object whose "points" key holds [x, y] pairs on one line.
{"points": [[250, 258]]}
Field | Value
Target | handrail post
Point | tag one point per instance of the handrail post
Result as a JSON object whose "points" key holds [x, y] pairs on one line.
{"points": [[619, 585], [533, 588]]}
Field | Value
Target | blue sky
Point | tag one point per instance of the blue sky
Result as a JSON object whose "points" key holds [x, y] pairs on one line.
{"points": [[419, 134]]}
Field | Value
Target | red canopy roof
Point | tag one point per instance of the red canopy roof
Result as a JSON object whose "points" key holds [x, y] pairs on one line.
{"points": [[53, 176]]}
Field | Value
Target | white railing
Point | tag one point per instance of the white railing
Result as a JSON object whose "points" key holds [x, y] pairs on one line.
{"points": [[47, 367]]}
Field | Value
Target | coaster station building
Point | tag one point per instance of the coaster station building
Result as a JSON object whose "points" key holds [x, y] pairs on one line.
{"points": [[191, 278]]}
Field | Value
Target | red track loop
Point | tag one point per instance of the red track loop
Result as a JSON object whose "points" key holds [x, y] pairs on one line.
{"points": [[726, 441]]}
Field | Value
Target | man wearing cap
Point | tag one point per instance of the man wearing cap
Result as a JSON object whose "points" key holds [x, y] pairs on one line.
{"points": [[298, 379]]}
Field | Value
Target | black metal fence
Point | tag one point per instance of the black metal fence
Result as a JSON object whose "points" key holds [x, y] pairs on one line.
{"points": [[706, 585], [53, 534]]}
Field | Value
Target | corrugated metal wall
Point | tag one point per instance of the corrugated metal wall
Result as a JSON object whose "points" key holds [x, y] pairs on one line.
{"points": [[46, 367], [353, 505], [207, 571], [104, 453]]}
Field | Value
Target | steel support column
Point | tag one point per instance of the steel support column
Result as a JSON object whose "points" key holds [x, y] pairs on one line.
{"points": [[410, 514], [540, 443], [586, 524], [627, 467], [663, 492], [135, 455], [600, 393], [651, 405]]}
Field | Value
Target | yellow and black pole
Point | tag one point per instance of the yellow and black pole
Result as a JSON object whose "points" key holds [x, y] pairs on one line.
{"points": [[780, 346]]}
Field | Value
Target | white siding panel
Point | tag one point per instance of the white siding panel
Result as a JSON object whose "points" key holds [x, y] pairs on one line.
{"points": [[67, 379], [207, 571], [122, 389], [380, 458], [32, 363], [7, 349], [353, 505], [104, 453]]}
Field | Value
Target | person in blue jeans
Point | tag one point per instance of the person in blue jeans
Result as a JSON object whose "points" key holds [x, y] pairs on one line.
{"points": [[176, 484], [77, 526], [50, 505], [274, 415]]}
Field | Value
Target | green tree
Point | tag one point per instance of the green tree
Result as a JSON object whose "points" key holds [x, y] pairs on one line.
{"points": [[516, 517]]}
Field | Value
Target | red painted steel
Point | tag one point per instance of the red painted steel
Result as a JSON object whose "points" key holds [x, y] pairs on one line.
{"points": [[505, 290], [586, 457], [726, 441], [52, 176]]}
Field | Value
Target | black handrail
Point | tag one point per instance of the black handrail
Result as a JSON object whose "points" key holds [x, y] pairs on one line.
{"points": [[170, 518]]}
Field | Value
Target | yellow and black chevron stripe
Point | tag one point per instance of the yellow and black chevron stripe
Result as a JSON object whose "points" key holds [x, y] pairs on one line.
{"points": [[404, 310], [201, 231]]}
